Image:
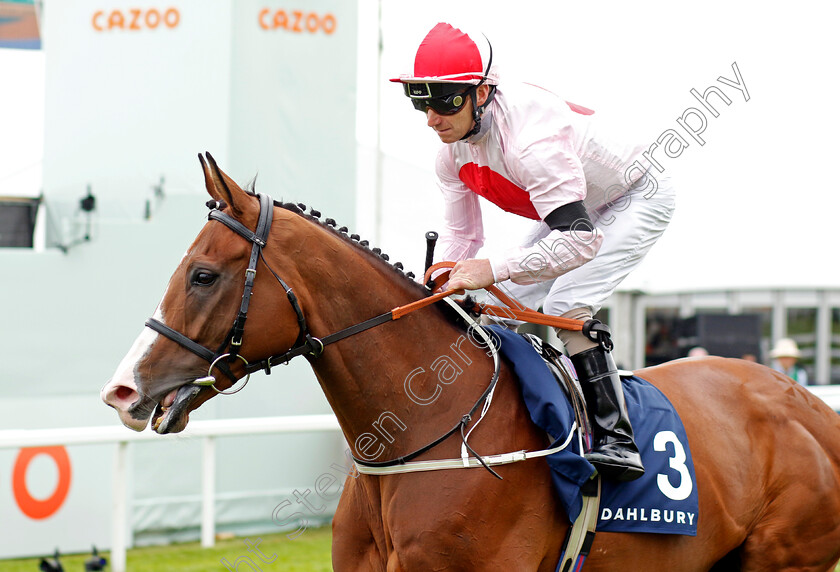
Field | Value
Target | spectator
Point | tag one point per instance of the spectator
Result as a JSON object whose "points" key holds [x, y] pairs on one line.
{"points": [[786, 354]]}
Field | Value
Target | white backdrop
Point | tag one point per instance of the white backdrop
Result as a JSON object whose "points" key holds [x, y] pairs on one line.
{"points": [[126, 106], [265, 87], [755, 203]]}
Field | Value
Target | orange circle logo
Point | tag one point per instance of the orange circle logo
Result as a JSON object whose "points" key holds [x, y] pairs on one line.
{"points": [[29, 505]]}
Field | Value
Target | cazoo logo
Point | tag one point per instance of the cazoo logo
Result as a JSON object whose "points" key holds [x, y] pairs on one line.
{"points": [[135, 19], [296, 21]]}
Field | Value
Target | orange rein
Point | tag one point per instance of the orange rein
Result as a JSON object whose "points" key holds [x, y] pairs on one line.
{"points": [[513, 311]]}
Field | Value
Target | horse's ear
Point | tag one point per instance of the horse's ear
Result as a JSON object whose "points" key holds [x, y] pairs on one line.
{"points": [[221, 187], [208, 179]]}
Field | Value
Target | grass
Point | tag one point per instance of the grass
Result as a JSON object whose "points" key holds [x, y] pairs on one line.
{"points": [[310, 552]]}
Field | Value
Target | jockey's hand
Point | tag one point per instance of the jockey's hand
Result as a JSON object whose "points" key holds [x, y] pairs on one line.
{"points": [[471, 274]]}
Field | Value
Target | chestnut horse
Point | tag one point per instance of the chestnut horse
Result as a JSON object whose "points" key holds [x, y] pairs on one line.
{"points": [[766, 451]]}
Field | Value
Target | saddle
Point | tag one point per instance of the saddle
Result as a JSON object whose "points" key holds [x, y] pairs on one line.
{"points": [[563, 371]]}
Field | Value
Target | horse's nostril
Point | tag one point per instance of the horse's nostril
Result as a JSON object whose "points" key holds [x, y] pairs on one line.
{"points": [[124, 393]]}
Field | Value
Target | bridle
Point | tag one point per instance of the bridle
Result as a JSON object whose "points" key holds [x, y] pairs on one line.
{"points": [[228, 351]]}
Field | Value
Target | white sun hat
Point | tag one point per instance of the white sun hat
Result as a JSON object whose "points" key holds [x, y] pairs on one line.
{"points": [[785, 347]]}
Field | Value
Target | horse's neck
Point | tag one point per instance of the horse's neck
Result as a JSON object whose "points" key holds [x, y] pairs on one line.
{"points": [[399, 385]]}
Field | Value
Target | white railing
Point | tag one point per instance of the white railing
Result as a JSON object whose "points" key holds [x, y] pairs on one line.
{"points": [[207, 431], [828, 393]]}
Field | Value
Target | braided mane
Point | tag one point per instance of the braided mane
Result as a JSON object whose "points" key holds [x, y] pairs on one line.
{"points": [[376, 254], [353, 239]]}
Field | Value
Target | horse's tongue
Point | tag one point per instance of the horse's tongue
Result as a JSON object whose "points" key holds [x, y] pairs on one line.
{"points": [[170, 398], [173, 420]]}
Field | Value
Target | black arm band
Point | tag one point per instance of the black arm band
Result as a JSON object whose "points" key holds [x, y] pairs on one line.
{"points": [[572, 216]]}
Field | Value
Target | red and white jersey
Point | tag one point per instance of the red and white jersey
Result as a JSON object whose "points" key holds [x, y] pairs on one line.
{"points": [[534, 153]]}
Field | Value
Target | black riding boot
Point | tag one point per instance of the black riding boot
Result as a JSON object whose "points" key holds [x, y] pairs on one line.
{"points": [[614, 453]]}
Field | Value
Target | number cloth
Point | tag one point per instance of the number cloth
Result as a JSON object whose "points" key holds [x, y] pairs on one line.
{"points": [[662, 501]]}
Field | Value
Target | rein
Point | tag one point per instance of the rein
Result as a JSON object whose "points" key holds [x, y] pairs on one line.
{"points": [[305, 344]]}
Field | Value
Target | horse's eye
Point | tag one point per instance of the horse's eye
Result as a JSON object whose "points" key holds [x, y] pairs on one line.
{"points": [[203, 278]]}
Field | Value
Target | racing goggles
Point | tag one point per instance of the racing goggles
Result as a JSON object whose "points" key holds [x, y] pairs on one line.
{"points": [[443, 98]]}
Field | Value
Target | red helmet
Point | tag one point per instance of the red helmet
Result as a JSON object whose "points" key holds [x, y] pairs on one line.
{"points": [[448, 55], [449, 67]]}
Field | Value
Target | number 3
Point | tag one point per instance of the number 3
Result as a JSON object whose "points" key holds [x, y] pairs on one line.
{"points": [[677, 463]]}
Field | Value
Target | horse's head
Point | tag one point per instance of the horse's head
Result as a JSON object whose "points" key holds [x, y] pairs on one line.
{"points": [[193, 324]]}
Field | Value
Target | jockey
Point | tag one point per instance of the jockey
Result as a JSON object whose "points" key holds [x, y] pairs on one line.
{"points": [[596, 206]]}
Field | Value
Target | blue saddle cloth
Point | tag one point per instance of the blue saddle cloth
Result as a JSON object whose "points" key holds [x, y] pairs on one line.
{"points": [[662, 501]]}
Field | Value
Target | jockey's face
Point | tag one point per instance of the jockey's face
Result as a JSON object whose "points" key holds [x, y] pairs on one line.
{"points": [[451, 128]]}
